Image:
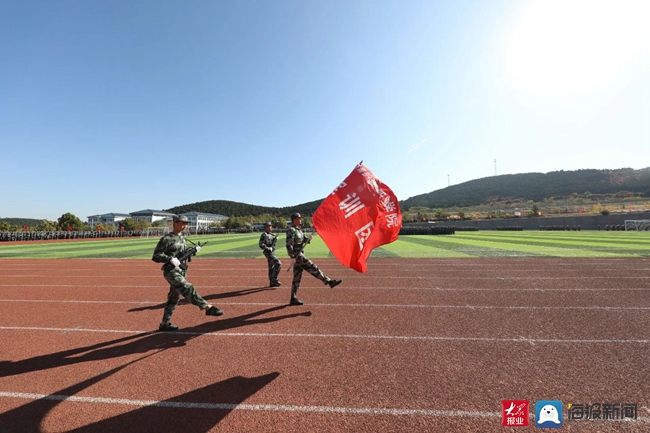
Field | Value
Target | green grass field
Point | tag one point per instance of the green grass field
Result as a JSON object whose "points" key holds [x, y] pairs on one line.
{"points": [[462, 244]]}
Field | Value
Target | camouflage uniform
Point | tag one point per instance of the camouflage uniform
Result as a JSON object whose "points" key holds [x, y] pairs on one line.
{"points": [[267, 244], [173, 245], [296, 241]]}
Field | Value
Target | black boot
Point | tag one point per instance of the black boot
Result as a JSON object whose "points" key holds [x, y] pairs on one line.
{"points": [[167, 327], [294, 298], [213, 311]]}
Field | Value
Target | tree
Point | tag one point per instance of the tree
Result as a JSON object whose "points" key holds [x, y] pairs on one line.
{"points": [[232, 222], [104, 227], [440, 214], [69, 220], [129, 224], [46, 226], [279, 222], [534, 210]]}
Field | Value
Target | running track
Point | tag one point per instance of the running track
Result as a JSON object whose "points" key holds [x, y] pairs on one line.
{"points": [[425, 345]]}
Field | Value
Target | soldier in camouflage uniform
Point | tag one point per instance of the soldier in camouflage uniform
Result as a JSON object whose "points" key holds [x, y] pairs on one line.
{"points": [[267, 244], [296, 241], [169, 249]]}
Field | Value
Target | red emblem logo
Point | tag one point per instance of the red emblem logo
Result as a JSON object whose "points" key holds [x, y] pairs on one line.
{"points": [[515, 413]]}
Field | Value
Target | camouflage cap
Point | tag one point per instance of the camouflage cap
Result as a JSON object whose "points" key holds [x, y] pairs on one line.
{"points": [[296, 215], [181, 219]]}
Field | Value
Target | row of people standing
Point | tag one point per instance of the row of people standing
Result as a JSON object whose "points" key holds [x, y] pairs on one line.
{"points": [[171, 249]]}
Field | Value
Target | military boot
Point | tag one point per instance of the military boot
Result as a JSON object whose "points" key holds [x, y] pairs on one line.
{"points": [[334, 283], [294, 298]]}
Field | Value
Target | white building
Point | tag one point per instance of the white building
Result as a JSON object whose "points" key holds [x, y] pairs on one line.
{"points": [[200, 220], [107, 218], [151, 215]]}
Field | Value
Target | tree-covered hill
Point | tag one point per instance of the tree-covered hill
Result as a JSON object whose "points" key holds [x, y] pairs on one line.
{"points": [[534, 186], [20, 222], [232, 208], [526, 186]]}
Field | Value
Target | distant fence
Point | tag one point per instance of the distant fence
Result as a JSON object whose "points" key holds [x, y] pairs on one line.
{"points": [[44, 236], [591, 222], [557, 228], [62, 235], [430, 230]]}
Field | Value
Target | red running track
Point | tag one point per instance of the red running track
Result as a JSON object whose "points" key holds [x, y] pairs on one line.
{"points": [[423, 345]]}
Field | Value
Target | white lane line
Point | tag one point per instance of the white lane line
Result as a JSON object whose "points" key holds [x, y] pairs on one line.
{"points": [[76, 328], [254, 407], [342, 336], [442, 289], [272, 407], [470, 307], [378, 277]]}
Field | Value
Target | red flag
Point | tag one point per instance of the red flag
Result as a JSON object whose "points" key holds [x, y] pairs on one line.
{"points": [[361, 214]]}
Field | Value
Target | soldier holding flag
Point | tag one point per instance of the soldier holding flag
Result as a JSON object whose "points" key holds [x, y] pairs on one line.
{"points": [[361, 214], [296, 242]]}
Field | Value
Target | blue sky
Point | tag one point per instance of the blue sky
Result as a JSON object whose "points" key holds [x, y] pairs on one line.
{"points": [[127, 105]]}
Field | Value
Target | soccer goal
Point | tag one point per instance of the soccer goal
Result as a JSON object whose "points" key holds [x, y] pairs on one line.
{"points": [[637, 225], [154, 232]]}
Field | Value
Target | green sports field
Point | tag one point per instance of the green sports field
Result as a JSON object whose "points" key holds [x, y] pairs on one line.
{"points": [[462, 244]]}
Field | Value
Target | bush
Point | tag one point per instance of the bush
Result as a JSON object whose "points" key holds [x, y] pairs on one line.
{"points": [[604, 212]]}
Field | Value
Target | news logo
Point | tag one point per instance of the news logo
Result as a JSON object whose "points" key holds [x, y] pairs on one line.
{"points": [[548, 414], [515, 413]]}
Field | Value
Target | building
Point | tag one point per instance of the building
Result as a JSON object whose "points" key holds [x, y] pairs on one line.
{"points": [[152, 215], [200, 220], [107, 218]]}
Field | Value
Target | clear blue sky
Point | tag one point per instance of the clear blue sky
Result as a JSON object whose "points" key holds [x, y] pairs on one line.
{"points": [[119, 106]]}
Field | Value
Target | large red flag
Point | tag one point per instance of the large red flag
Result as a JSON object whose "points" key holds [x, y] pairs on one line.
{"points": [[361, 214]]}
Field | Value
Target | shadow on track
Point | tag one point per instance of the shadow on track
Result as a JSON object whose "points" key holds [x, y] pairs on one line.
{"points": [[173, 415], [207, 298], [139, 343]]}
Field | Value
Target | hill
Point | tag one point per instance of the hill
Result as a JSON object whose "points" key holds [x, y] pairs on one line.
{"points": [[20, 222], [503, 188], [535, 187], [232, 208]]}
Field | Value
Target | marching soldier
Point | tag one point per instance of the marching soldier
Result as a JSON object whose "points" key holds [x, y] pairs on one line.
{"points": [[267, 244], [169, 249], [296, 242]]}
